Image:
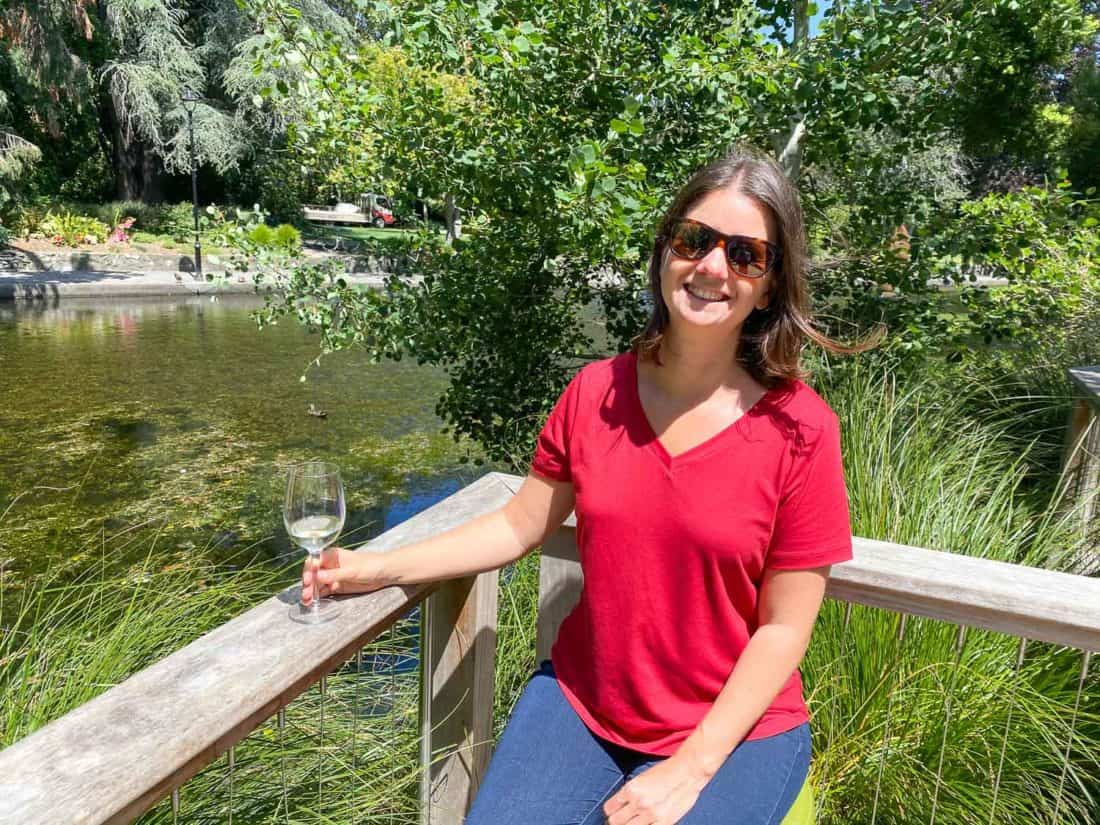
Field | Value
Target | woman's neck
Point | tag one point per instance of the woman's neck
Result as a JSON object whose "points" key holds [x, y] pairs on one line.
{"points": [[696, 368]]}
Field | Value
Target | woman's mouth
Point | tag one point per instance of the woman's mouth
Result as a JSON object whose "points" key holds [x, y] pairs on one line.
{"points": [[709, 295]]}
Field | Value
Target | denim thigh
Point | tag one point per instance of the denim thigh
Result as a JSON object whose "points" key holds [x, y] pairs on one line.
{"points": [[756, 785], [549, 769]]}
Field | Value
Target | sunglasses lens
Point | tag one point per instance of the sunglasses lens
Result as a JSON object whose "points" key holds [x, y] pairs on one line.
{"points": [[747, 256], [691, 240]]}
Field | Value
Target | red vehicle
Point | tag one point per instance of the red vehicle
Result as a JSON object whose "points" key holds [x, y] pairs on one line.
{"points": [[379, 208]]}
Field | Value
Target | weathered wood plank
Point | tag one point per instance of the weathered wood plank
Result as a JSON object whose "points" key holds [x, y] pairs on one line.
{"points": [[1087, 380], [1028, 602], [114, 757], [458, 644]]}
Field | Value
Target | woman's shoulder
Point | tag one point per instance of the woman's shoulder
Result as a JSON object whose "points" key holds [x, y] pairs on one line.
{"points": [[801, 400], [597, 376], [795, 412]]}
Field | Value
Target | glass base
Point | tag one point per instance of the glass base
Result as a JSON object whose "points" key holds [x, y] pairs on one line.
{"points": [[317, 612]]}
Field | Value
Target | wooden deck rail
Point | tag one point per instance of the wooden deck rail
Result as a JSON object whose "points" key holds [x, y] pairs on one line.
{"points": [[114, 757], [1082, 459]]}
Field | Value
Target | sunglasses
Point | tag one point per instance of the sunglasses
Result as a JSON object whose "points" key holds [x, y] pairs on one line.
{"points": [[748, 257]]}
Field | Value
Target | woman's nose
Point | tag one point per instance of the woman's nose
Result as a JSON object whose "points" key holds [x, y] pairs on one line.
{"points": [[713, 264]]}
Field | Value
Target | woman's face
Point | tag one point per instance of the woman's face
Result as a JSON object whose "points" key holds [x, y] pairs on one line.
{"points": [[705, 294]]}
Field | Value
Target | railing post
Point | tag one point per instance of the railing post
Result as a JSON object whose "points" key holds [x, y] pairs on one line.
{"points": [[560, 583], [1081, 461], [458, 652]]}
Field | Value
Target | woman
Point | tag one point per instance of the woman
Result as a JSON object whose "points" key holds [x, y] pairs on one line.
{"points": [[710, 504]]}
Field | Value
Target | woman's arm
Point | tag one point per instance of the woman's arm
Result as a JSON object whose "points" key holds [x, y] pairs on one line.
{"points": [[789, 603], [485, 543]]}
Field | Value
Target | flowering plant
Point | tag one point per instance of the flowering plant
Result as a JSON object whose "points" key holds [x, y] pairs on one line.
{"points": [[120, 233]]}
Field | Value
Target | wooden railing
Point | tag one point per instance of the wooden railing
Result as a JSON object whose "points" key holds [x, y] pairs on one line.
{"points": [[116, 756]]}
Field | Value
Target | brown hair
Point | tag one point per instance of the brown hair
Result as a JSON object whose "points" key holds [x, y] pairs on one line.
{"points": [[771, 338]]}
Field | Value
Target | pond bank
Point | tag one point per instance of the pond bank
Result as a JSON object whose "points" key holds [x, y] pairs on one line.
{"points": [[30, 272], [53, 284]]}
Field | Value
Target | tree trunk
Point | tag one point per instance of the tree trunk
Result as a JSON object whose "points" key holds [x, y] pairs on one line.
{"points": [[453, 216], [788, 147], [137, 168]]}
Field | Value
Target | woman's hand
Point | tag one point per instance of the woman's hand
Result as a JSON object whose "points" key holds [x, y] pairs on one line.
{"points": [[659, 796], [342, 571]]}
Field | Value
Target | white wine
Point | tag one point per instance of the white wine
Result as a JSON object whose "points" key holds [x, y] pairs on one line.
{"points": [[315, 533], [313, 512]]}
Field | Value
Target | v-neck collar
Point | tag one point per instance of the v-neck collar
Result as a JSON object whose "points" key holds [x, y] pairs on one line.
{"points": [[703, 448]]}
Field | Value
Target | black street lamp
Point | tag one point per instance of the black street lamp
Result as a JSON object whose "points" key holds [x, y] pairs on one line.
{"points": [[190, 101]]}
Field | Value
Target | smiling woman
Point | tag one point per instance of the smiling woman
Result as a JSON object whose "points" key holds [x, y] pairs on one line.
{"points": [[705, 475]]}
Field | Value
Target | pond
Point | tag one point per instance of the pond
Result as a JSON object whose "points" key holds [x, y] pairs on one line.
{"points": [[138, 426]]}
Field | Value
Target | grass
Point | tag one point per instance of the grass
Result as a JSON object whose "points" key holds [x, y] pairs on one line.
{"points": [[922, 470], [151, 242], [392, 240]]}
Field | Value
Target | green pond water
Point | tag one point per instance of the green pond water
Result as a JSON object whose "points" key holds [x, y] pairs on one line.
{"points": [[130, 427]]}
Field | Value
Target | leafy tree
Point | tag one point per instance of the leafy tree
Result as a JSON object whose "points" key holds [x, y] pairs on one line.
{"points": [[566, 127], [109, 74]]}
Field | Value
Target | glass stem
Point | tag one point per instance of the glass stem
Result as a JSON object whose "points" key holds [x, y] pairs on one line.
{"points": [[315, 561]]}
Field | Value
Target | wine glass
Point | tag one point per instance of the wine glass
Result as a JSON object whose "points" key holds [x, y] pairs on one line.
{"points": [[313, 513]]}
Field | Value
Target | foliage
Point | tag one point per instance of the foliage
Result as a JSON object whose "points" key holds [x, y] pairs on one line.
{"points": [[566, 131], [67, 229], [1083, 142], [108, 77], [287, 237], [262, 235], [1042, 245], [924, 470], [16, 156]]}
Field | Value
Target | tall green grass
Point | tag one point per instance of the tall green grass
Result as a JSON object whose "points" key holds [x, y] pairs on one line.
{"points": [[922, 472], [70, 639]]}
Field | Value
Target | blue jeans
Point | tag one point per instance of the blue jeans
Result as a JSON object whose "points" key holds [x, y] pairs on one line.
{"points": [[549, 769]]}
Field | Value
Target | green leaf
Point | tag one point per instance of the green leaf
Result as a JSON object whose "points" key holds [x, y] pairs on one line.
{"points": [[521, 44], [619, 126]]}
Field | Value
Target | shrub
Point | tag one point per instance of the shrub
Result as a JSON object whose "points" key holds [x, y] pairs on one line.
{"points": [[27, 221], [288, 237], [262, 235], [65, 228], [5, 235], [147, 217], [178, 220]]}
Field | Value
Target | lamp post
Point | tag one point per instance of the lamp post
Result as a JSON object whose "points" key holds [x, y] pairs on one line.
{"points": [[190, 101]]}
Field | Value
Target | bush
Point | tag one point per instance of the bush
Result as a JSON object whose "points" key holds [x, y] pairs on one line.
{"points": [[178, 221], [5, 235], [147, 217], [27, 220], [288, 237], [66, 228], [262, 235]]}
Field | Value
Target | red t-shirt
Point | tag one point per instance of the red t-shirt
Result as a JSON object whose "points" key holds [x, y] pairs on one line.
{"points": [[674, 549]]}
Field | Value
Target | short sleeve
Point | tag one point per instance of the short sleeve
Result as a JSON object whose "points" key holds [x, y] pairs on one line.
{"points": [[552, 451], [812, 526]]}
